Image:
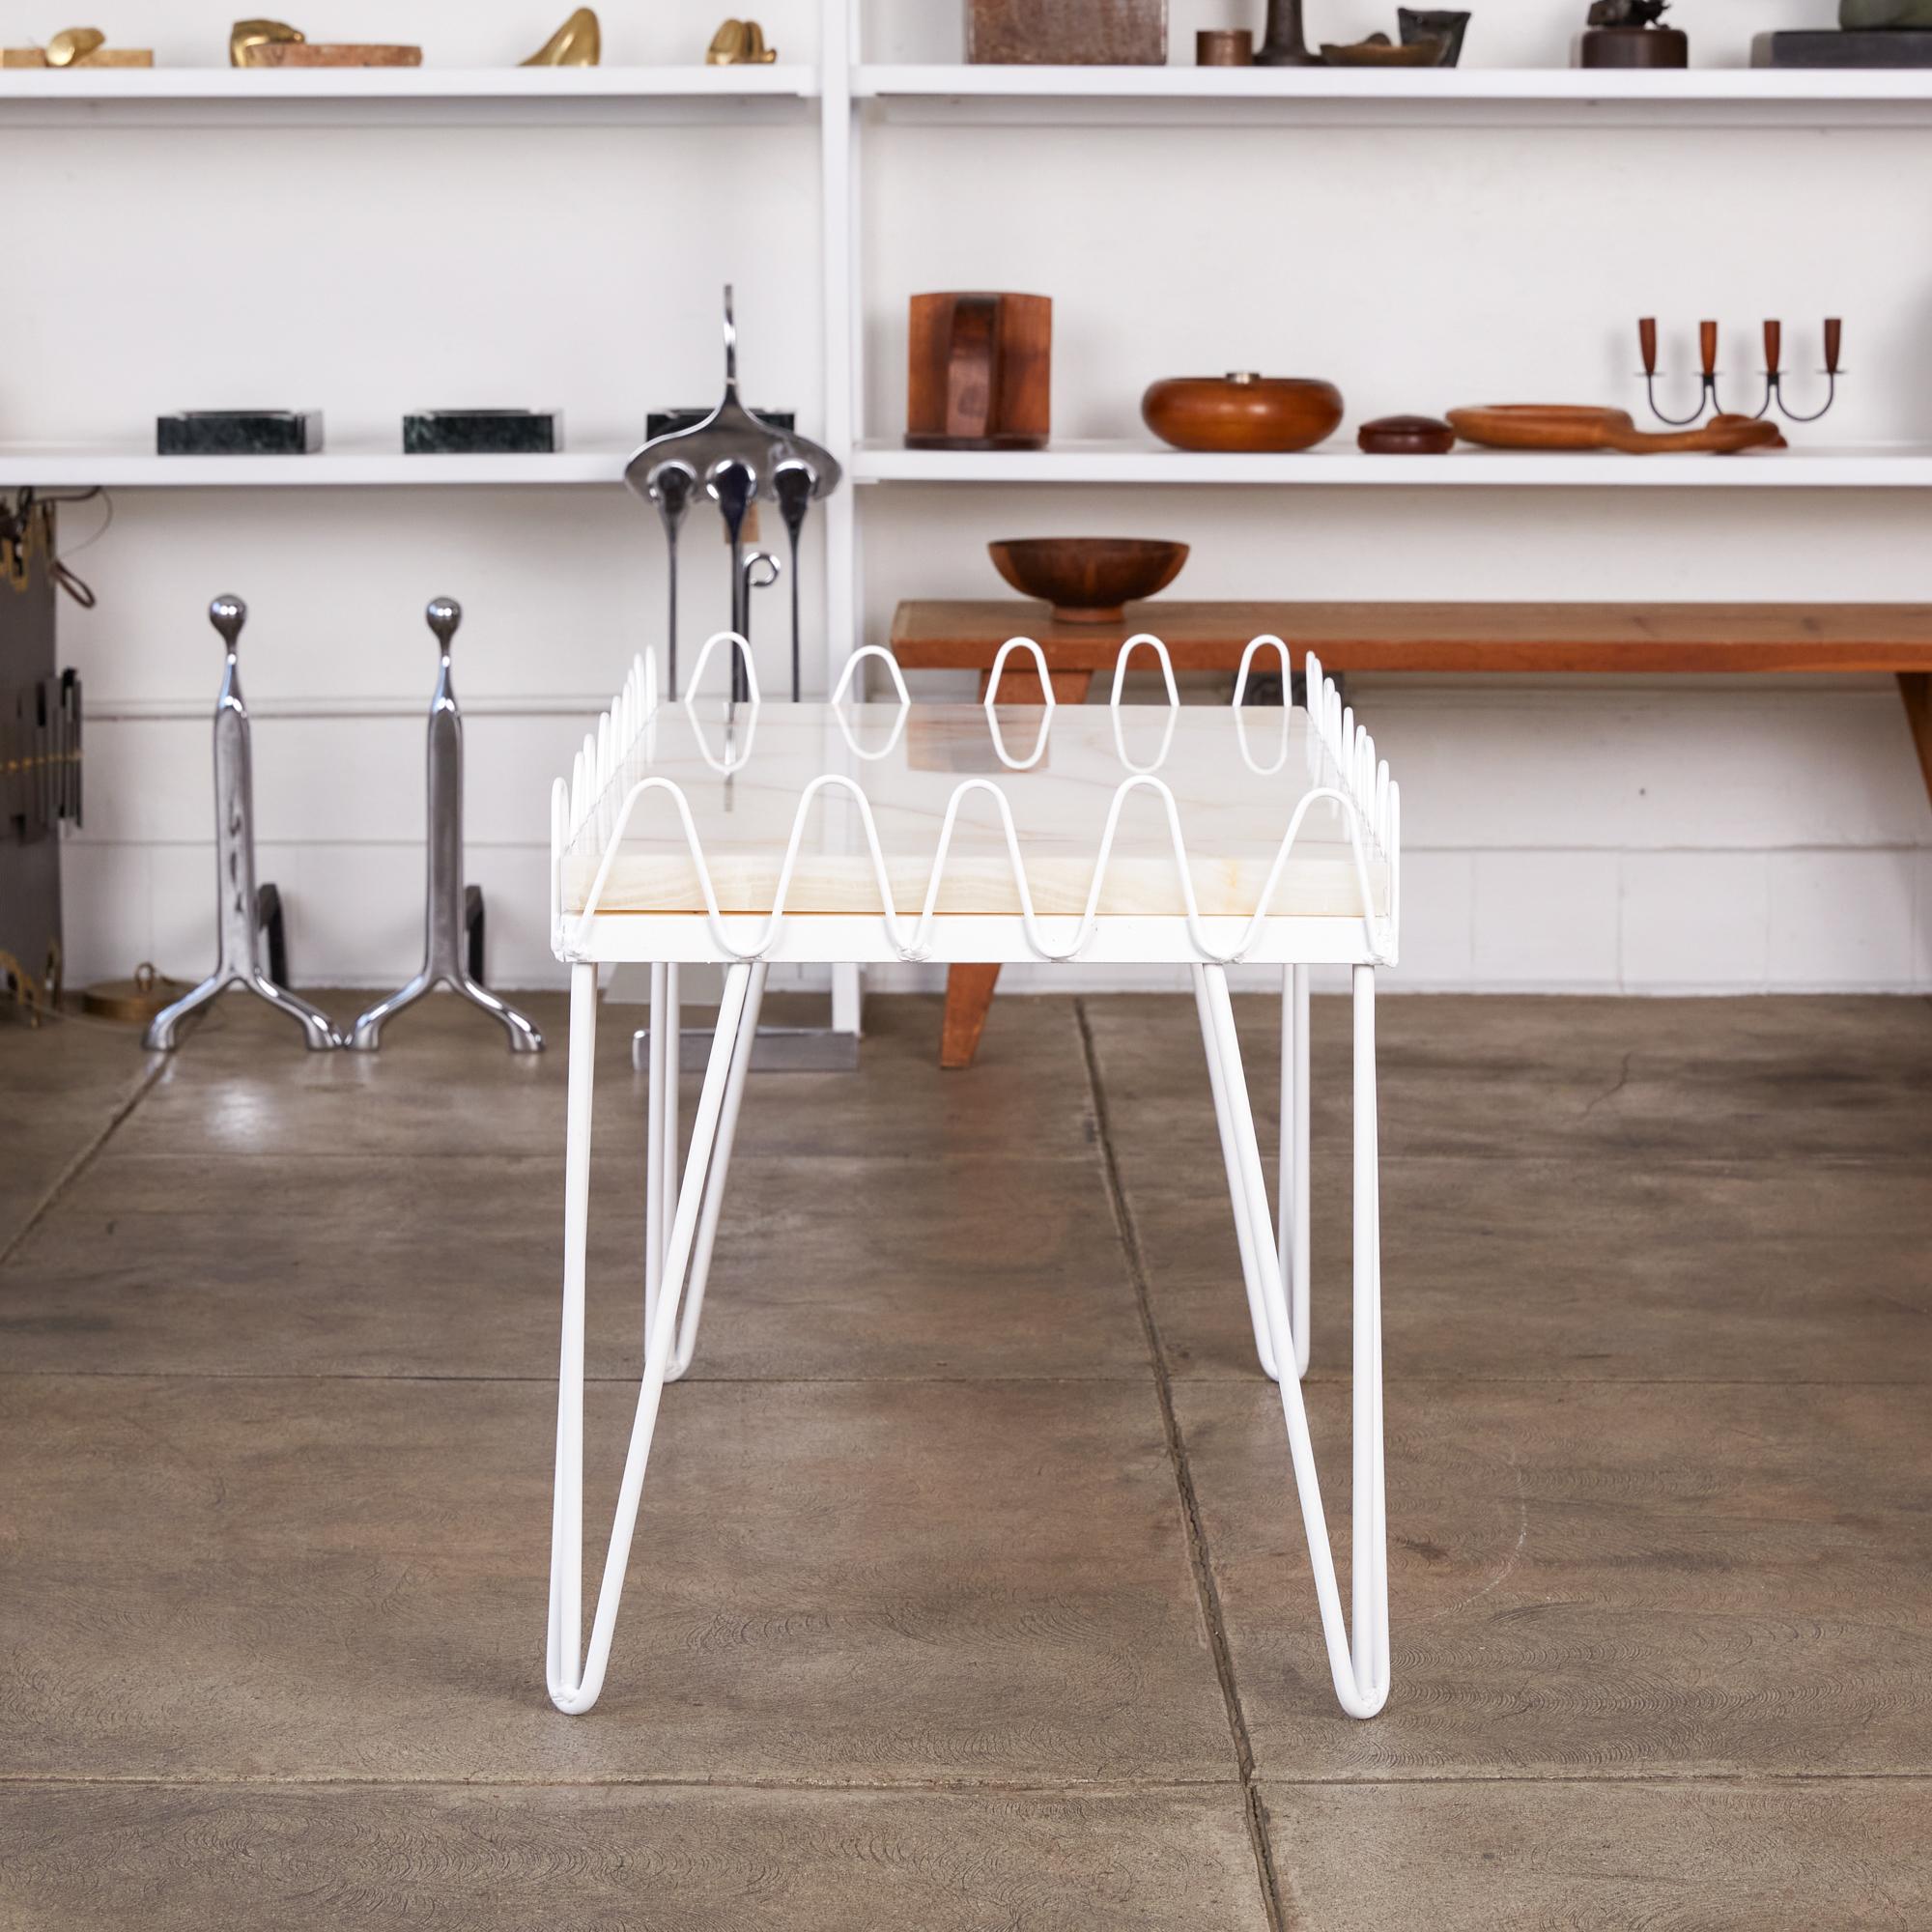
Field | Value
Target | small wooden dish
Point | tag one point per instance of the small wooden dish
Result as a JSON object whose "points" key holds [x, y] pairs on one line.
{"points": [[1406, 435], [1570, 426]]}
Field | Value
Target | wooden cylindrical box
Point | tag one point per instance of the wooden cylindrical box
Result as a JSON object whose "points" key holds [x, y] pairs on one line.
{"points": [[980, 372]]}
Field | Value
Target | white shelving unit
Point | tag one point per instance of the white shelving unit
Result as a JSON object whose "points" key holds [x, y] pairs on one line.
{"points": [[843, 93]]}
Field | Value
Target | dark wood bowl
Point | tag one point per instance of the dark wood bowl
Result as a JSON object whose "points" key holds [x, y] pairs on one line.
{"points": [[1087, 580], [1242, 412], [1406, 435]]}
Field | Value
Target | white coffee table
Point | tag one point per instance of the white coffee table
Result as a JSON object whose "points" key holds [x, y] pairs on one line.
{"points": [[861, 833]]}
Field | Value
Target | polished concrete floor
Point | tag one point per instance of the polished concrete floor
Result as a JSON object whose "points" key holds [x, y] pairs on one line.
{"points": [[970, 1588]]}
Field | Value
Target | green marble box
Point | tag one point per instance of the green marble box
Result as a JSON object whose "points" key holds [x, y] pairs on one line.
{"points": [[483, 433], [239, 433]]}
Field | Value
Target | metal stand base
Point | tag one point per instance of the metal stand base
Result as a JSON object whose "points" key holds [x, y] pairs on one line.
{"points": [[453, 923], [249, 922], [776, 1050]]}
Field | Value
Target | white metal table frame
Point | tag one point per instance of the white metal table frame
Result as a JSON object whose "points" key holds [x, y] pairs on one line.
{"points": [[682, 1215]]}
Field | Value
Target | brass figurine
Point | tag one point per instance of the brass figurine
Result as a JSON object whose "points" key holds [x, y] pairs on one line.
{"points": [[245, 35], [77, 47], [739, 44], [73, 43], [578, 43]]}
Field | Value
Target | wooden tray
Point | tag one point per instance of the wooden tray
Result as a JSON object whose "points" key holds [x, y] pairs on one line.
{"points": [[1568, 426], [37, 57]]}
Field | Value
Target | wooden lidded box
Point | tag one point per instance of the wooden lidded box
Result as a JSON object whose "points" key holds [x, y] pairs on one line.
{"points": [[1068, 33], [980, 372]]}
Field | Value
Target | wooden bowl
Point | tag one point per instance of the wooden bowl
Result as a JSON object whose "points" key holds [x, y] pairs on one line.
{"points": [[1087, 580], [1242, 412]]}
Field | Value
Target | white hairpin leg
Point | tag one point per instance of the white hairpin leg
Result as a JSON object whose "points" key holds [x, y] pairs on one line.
{"points": [[720, 1168], [1293, 1248], [1238, 1193], [1360, 1670], [573, 1687], [661, 1132], [656, 1194]]}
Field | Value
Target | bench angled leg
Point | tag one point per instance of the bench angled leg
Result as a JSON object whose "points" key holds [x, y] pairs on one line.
{"points": [[969, 989], [1914, 687]]}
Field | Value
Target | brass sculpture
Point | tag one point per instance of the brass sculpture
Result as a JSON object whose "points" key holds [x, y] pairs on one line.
{"points": [[73, 43], [739, 44], [77, 47], [578, 43], [247, 35]]}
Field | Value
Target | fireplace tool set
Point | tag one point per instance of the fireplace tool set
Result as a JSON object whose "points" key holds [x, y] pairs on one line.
{"points": [[250, 949], [734, 457], [1773, 375]]}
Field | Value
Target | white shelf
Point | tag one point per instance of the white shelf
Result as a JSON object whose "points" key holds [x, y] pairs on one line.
{"points": [[72, 466], [249, 97], [1873, 466], [1371, 96]]}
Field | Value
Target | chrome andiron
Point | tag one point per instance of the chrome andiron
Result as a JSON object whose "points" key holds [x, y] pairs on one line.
{"points": [[248, 921], [453, 920]]}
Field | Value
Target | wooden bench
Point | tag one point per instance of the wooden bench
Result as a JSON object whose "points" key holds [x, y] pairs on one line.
{"points": [[1638, 640]]}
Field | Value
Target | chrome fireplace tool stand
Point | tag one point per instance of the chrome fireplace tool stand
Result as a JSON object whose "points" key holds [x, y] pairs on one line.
{"points": [[248, 921], [734, 458], [453, 920]]}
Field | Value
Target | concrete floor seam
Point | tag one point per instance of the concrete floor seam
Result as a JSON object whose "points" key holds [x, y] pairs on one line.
{"points": [[1197, 1543]]}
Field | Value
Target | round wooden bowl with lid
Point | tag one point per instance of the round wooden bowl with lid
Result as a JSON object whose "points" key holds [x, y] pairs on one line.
{"points": [[1242, 412]]}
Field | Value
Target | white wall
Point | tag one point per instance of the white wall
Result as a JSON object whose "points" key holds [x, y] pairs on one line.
{"points": [[1714, 836]]}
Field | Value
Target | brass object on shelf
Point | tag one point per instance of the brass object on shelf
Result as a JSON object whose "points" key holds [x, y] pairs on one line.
{"points": [[276, 54], [578, 43], [19, 985], [133, 1001], [77, 47], [275, 43], [739, 44], [72, 43], [245, 35]]}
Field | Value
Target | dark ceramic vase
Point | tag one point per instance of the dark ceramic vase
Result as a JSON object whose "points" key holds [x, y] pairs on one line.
{"points": [[1282, 42]]}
